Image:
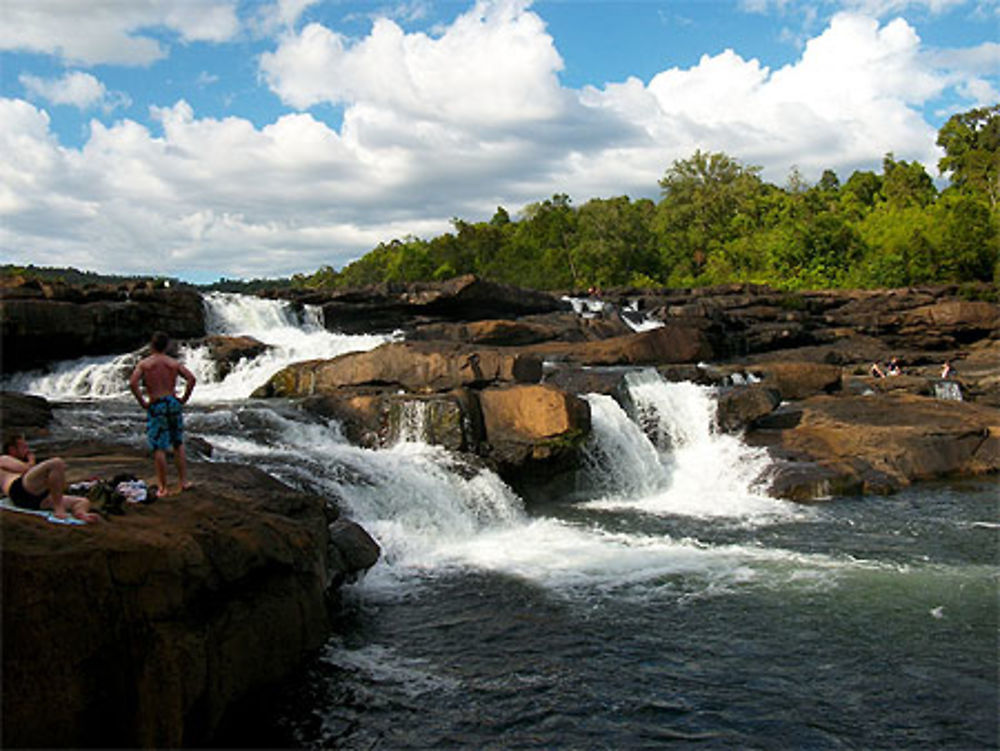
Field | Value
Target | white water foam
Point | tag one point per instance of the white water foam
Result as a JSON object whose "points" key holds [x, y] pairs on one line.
{"points": [[678, 463], [292, 336], [434, 515]]}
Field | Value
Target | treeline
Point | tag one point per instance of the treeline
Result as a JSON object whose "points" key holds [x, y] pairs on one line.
{"points": [[717, 221], [70, 275]]}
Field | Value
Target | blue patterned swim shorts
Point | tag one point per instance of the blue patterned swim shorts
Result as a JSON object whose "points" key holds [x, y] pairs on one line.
{"points": [[165, 423]]}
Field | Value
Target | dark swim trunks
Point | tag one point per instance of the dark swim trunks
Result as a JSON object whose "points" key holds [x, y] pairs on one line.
{"points": [[165, 424], [23, 498]]}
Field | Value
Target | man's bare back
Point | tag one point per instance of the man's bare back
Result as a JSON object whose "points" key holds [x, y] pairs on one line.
{"points": [[158, 373]]}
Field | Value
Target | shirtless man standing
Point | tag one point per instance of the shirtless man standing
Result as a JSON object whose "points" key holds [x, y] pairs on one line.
{"points": [[164, 418], [38, 485]]}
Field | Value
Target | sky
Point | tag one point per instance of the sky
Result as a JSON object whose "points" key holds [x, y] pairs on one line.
{"points": [[202, 139]]}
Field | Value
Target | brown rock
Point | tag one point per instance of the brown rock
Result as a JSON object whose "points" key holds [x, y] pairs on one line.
{"points": [[533, 437], [889, 440], [798, 380], [414, 366], [532, 413], [23, 413], [227, 351], [141, 631], [739, 407], [72, 324], [667, 344]]}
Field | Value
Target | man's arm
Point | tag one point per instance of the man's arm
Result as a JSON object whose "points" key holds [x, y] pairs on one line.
{"points": [[9, 464], [134, 383], [189, 381]]}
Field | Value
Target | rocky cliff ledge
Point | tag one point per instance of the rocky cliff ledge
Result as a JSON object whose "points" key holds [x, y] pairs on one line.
{"points": [[44, 321], [141, 630]]}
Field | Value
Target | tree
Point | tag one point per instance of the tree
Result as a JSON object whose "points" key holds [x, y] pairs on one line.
{"points": [[906, 184], [614, 242], [702, 198], [971, 142]]}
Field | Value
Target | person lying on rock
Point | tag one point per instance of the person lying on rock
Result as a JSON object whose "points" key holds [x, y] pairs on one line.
{"points": [[38, 485], [158, 373]]}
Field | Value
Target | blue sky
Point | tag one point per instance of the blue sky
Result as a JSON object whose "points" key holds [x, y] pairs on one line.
{"points": [[208, 138]]}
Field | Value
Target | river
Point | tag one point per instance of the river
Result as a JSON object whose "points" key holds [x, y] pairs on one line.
{"points": [[663, 601]]}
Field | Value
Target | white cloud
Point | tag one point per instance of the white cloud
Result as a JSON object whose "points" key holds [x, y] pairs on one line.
{"points": [[882, 8], [433, 128], [279, 16], [849, 98], [494, 64], [74, 88], [110, 31]]}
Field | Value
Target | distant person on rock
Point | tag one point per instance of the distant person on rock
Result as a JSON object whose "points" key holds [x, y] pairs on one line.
{"points": [[876, 371], [164, 417], [894, 367], [39, 485], [947, 371]]}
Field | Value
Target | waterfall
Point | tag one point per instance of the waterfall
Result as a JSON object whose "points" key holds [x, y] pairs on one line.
{"points": [[292, 336], [412, 426], [434, 512], [948, 390], [588, 307], [669, 458]]}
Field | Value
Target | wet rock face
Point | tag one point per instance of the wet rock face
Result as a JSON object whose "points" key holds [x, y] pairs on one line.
{"points": [[140, 631], [45, 323]]}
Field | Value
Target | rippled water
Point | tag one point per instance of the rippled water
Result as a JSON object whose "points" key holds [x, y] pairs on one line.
{"points": [[870, 624]]}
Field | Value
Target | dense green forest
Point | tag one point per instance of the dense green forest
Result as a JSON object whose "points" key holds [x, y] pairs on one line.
{"points": [[717, 221]]}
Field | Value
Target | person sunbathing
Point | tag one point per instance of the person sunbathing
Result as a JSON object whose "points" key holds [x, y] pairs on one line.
{"points": [[39, 485]]}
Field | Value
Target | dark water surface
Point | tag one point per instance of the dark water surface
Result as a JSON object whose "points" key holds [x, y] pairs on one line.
{"points": [[872, 623]]}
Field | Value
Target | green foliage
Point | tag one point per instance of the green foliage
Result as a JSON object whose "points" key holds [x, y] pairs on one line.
{"points": [[971, 141], [717, 221]]}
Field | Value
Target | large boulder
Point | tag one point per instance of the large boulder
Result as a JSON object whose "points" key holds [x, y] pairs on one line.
{"points": [[667, 344], [534, 434], [142, 630], [44, 323], [883, 442], [413, 366], [798, 380], [532, 414]]}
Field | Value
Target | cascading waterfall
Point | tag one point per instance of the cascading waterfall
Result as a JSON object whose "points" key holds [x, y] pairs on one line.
{"points": [[291, 335], [669, 458]]}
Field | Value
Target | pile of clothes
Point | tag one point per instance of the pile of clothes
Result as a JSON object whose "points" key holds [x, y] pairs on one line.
{"points": [[110, 496]]}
